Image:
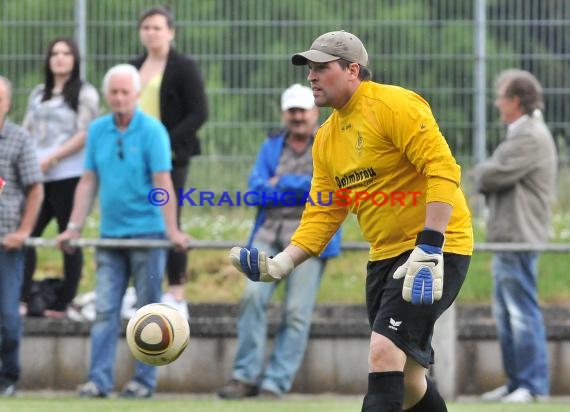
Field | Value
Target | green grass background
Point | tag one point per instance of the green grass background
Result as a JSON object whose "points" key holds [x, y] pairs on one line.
{"points": [[186, 404]]}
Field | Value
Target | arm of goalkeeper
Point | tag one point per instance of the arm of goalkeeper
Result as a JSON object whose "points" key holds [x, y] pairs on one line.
{"points": [[259, 267]]}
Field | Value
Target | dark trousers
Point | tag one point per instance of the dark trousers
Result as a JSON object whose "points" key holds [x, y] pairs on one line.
{"points": [[177, 262], [58, 203]]}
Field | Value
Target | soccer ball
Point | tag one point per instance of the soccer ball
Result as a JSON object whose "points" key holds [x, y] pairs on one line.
{"points": [[157, 334]]}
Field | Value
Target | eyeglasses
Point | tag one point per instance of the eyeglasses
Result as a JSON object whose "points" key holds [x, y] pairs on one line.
{"points": [[120, 147]]}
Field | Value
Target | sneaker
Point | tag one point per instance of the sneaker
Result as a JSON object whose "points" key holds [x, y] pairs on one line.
{"points": [[134, 389], [90, 390], [7, 391], [496, 394], [520, 395], [180, 305], [236, 389]]}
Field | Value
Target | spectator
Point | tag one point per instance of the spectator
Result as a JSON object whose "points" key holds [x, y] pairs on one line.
{"points": [[173, 92], [127, 155], [283, 169], [382, 141], [519, 182], [59, 112], [19, 207]]}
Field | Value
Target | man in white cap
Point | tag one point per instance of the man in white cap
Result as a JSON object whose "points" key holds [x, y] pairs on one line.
{"points": [[382, 139], [280, 182]]}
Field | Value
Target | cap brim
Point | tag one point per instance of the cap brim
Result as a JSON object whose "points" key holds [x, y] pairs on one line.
{"points": [[301, 59]]}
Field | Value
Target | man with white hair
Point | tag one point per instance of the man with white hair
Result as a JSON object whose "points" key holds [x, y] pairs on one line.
{"points": [[127, 156], [281, 178]]}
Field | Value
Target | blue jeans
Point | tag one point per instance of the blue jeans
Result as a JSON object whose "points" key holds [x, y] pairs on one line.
{"points": [[114, 268], [11, 275], [520, 324], [301, 288]]}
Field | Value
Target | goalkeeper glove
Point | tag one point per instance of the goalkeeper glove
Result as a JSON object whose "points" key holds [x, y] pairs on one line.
{"points": [[260, 268], [423, 271]]}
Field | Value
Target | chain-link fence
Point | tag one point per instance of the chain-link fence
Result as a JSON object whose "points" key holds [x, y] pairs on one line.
{"points": [[447, 50]]}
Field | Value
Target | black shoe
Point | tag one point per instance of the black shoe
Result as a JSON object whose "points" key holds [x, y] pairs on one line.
{"points": [[236, 389]]}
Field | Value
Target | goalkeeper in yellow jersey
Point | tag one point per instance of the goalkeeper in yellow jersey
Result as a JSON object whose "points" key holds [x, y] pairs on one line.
{"points": [[382, 156]]}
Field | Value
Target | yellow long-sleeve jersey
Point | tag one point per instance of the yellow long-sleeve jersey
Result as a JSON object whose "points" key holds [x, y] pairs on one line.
{"points": [[383, 157]]}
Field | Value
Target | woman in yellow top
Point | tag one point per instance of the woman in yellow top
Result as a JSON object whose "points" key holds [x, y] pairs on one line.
{"points": [[174, 93], [381, 156]]}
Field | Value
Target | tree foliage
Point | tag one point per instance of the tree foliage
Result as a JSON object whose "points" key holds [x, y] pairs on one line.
{"points": [[244, 47]]}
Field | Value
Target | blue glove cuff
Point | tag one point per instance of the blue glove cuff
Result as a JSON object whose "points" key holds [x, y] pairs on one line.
{"points": [[432, 250]]}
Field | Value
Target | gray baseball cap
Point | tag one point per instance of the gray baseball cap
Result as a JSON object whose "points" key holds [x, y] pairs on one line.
{"points": [[333, 46]]}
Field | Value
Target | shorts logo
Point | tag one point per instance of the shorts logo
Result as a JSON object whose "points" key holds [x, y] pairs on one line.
{"points": [[394, 324]]}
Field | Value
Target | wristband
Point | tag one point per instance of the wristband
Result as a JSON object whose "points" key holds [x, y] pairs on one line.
{"points": [[430, 237]]}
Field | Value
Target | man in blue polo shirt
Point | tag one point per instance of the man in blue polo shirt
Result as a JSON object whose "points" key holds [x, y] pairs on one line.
{"points": [[127, 155]]}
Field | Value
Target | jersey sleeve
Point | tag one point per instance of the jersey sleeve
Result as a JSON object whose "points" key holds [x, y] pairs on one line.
{"points": [[416, 135]]}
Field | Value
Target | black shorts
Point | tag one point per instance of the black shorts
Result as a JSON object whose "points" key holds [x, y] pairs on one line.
{"points": [[409, 326]]}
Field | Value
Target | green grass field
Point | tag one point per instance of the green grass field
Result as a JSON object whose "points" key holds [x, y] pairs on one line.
{"points": [[199, 404]]}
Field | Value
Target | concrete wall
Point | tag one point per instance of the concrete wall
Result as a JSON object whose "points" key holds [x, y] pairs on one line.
{"points": [[55, 353]]}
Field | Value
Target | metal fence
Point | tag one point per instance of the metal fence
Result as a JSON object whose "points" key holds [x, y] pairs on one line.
{"points": [[447, 50], [228, 244]]}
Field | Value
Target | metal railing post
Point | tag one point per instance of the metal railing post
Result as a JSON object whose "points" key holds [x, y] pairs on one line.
{"points": [[80, 15]]}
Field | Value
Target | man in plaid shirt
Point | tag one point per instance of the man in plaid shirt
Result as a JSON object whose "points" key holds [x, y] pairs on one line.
{"points": [[19, 207]]}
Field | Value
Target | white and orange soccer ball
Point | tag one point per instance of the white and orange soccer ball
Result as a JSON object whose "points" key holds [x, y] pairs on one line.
{"points": [[157, 334]]}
